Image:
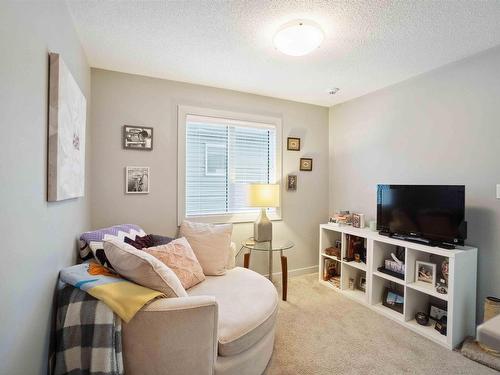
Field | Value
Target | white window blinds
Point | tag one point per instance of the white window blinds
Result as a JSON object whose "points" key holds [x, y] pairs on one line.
{"points": [[222, 157]]}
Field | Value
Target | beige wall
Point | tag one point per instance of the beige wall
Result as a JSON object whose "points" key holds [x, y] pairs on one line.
{"points": [[119, 99], [37, 238], [439, 128]]}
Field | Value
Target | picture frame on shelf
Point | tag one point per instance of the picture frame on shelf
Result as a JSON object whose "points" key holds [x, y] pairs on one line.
{"points": [[362, 283], [425, 273], [338, 244], [137, 137], [436, 312], [358, 220], [351, 283], [306, 164], [137, 180], [393, 300], [293, 144]]}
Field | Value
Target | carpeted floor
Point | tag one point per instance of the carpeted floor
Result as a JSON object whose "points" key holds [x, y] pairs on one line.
{"points": [[322, 332]]}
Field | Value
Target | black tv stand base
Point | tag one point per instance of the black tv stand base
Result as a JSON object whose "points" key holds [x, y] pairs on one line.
{"points": [[421, 241]]}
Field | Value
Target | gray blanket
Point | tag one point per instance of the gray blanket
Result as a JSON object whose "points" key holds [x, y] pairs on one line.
{"points": [[88, 335]]}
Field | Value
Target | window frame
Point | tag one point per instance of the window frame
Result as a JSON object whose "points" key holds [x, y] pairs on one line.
{"points": [[235, 117]]}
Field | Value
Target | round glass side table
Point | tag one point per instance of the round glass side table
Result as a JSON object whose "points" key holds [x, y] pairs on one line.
{"points": [[270, 247]]}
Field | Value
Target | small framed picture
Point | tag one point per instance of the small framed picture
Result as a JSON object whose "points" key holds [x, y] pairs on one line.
{"points": [[137, 137], [393, 299], [437, 313], [293, 144], [425, 273], [338, 244], [362, 283], [291, 182], [137, 180], [306, 164], [356, 220]]}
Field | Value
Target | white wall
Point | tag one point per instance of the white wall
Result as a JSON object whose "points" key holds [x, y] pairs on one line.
{"points": [[119, 99], [37, 238], [438, 128]]}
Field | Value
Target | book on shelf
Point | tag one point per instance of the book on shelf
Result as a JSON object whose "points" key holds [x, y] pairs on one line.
{"points": [[331, 269], [335, 281], [355, 248]]}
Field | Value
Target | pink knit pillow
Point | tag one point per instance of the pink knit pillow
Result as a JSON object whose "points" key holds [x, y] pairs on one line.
{"points": [[179, 257]]}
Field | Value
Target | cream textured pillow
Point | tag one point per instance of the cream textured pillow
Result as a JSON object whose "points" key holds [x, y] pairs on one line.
{"points": [[210, 243], [179, 257], [143, 268]]}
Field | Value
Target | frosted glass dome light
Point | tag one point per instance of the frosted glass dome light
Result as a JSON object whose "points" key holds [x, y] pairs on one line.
{"points": [[298, 38]]}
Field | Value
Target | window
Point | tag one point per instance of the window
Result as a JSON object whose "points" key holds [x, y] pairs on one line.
{"points": [[220, 153]]}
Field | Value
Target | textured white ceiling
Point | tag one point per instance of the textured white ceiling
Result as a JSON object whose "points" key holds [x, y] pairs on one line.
{"points": [[369, 44]]}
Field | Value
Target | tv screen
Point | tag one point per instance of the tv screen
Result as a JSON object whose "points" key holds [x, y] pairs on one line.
{"points": [[430, 212]]}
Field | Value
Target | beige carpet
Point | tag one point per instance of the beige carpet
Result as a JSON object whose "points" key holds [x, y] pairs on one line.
{"points": [[322, 332]]}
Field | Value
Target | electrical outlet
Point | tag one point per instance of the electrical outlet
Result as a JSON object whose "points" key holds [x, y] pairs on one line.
{"points": [[498, 191]]}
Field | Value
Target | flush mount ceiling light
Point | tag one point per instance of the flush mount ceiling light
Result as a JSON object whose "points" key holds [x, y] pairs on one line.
{"points": [[298, 38]]}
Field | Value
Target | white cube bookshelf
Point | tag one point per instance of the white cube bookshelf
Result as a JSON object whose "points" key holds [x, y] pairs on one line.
{"points": [[460, 301]]}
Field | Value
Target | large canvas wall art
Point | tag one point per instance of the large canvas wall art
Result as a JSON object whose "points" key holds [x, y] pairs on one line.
{"points": [[66, 146]]}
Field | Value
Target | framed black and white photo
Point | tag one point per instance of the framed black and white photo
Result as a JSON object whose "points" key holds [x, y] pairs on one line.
{"points": [[137, 137], [425, 273], [137, 180], [306, 164], [293, 144], [291, 182], [437, 313], [362, 283]]}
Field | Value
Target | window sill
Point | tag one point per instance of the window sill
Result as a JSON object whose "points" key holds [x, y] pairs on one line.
{"points": [[234, 218]]}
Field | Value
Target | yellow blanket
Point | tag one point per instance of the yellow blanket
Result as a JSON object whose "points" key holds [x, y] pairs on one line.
{"points": [[122, 296]]}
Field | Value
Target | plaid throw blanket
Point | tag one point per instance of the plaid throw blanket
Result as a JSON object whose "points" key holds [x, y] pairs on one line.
{"points": [[125, 298], [88, 335]]}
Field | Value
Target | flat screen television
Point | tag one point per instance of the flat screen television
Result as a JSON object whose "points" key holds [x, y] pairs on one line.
{"points": [[433, 214]]}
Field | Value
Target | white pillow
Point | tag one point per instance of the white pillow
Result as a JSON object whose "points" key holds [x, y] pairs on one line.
{"points": [[210, 243], [143, 268]]}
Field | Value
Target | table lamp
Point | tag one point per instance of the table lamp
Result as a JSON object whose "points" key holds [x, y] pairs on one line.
{"points": [[263, 196]]}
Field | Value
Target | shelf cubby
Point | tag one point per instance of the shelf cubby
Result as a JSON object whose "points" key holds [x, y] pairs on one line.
{"points": [[379, 286], [418, 301], [381, 252], [328, 239], [345, 246], [355, 274], [412, 256], [336, 267]]}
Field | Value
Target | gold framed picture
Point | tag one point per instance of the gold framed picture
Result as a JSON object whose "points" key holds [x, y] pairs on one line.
{"points": [[306, 164], [293, 144]]}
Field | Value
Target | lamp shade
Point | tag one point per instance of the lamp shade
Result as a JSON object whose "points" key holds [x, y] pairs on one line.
{"points": [[264, 195]]}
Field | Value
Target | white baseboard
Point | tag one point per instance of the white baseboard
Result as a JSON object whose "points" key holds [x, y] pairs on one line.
{"points": [[296, 272]]}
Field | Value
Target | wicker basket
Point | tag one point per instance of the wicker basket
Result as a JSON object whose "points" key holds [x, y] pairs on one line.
{"points": [[491, 307]]}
